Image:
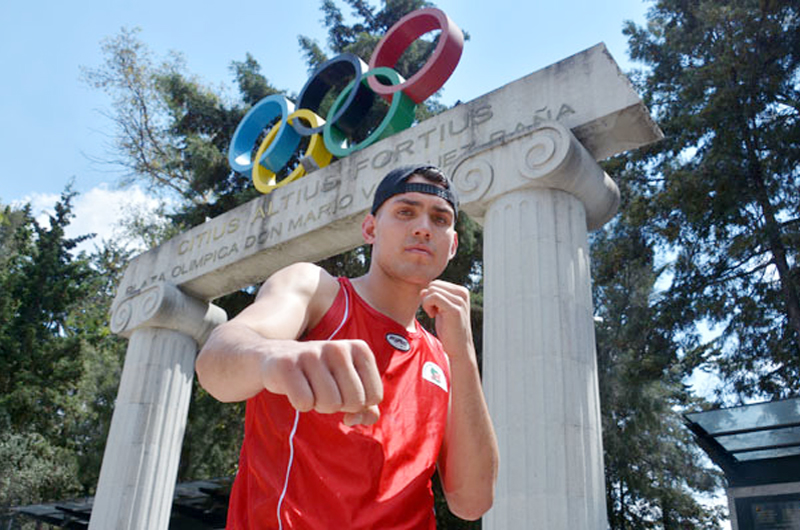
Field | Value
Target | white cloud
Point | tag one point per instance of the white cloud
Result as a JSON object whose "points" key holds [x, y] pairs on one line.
{"points": [[98, 211]]}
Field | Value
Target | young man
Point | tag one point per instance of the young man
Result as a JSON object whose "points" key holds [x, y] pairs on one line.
{"points": [[351, 404]]}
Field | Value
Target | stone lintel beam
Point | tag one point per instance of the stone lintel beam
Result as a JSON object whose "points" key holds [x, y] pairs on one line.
{"points": [[163, 305], [589, 94], [547, 157]]}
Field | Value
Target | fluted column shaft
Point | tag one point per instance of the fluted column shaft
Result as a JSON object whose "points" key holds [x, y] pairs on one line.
{"points": [[540, 372], [140, 464], [538, 194]]}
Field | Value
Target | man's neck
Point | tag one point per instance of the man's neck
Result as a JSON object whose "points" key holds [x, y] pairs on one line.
{"points": [[397, 299]]}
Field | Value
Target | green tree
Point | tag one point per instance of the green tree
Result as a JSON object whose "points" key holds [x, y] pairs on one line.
{"points": [[653, 469], [57, 359], [172, 131], [38, 358], [722, 80], [33, 470]]}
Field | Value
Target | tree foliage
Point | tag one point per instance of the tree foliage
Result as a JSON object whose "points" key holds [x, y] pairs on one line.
{"points": [[59, 365], [723, 81], [42, 281], [653, 469], [172, 131], [708, 234]]}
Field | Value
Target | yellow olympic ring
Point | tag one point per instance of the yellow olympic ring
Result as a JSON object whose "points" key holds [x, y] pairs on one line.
{"points": [[265, 180]]}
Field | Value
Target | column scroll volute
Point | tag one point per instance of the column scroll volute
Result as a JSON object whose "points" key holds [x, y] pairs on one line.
{"points": [[548, 156], [164, 305]]}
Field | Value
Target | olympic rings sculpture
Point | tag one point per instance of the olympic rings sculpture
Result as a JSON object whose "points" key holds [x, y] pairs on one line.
{"points": [[329, 137]]}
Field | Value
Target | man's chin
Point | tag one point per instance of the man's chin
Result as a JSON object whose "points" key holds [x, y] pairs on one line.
{"points": [[415, 271], [422, 278]]}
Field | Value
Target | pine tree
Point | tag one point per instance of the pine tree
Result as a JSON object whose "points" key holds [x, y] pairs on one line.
{"points": [[653, 469], [53, 337], [38, 357], [722, 80]]}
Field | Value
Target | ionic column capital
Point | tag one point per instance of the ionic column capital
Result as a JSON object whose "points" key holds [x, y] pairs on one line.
{"points": [[164, 305], [548, 156]]}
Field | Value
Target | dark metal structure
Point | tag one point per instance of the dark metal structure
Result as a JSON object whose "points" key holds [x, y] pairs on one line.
{"points": [[758, 448], [200, 505]]}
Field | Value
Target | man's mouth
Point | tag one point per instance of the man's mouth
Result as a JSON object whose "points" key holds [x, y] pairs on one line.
{"points": [[420, 249]]}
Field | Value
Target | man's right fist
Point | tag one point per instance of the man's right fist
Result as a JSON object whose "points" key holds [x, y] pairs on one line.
{"points": [[328, 377]]}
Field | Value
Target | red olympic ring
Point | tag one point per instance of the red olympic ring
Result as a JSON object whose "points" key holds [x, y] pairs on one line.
{"points": [[440, 64], [350, 106]]}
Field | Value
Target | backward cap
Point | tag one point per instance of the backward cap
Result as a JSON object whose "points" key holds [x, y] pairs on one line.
{"points": [[394, 183]]}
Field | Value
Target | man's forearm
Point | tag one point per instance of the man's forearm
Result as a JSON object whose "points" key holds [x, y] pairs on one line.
{"points": [[229, 366], [470, 459], [237, 363]]}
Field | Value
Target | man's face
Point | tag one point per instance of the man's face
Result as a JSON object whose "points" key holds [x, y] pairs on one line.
{"points": [[412, 235]]}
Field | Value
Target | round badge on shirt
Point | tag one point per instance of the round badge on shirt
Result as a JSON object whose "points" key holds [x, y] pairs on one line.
{"points": [[398, 342]]}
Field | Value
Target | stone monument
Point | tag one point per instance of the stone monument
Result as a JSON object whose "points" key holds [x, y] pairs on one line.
{"points": [[523, 159]]}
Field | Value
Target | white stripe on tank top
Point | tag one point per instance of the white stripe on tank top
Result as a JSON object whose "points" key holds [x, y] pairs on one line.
{"points": [[297, 416]]}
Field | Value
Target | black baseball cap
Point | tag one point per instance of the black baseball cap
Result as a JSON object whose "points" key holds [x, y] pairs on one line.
{"points": [[394, 183]]}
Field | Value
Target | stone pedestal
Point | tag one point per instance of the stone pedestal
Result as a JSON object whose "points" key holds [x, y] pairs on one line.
{"points": [[140, 464]]}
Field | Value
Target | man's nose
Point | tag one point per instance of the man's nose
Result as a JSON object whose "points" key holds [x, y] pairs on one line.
{"points": [[423, 227]]}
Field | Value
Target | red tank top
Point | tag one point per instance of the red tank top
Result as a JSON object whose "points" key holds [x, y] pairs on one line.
{"points": [[311, 471]]}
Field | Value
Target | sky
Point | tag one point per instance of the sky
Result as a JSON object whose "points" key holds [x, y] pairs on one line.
{"points": [[55, 127]]}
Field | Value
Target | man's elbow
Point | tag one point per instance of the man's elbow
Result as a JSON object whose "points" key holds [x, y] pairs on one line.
{"points": [[472, 505], [207, 377], [204, 374]]}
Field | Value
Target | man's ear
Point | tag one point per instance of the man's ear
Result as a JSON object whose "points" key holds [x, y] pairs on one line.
{"points": [[454, 246], [368, 229]]}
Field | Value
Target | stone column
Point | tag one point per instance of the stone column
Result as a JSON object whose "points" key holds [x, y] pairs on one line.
{"points": [[140, 464], [539, 370]]}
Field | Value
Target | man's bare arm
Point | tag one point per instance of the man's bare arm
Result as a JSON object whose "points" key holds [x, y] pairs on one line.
{"points": [[469, 458], [259, 349]]}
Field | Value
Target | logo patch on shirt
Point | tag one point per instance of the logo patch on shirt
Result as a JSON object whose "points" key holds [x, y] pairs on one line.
{"points": [[398, 342], [431, 372]]}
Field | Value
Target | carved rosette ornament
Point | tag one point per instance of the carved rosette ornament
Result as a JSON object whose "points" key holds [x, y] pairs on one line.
{"points": [[165, 306]]}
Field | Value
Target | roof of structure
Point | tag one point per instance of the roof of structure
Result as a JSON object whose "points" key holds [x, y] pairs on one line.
{"points": [[753, 444]]}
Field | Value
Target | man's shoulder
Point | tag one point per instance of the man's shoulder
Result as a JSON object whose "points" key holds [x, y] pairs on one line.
{"points": [[299, 278], [307, 283]]}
